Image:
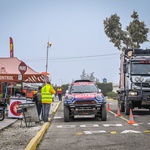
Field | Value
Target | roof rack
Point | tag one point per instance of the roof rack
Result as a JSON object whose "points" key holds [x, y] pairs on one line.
{"points": [[138, 52], [83, 80]]}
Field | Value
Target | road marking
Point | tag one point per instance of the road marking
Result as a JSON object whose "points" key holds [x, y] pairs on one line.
{"points": [[131, 131], [146, 131], [79, 133], [113, 132], [112, 125], [57, 117], [89, 125], [66, 126], [91, 132]]}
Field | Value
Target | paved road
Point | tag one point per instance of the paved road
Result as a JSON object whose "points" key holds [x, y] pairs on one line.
{"points": [[93, 134]]}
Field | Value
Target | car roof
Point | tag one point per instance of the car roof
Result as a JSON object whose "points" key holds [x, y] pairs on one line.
{"points": [[83, 82]]}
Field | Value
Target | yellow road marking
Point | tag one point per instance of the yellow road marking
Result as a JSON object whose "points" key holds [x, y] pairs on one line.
{"points": [[113, 132], [79, 133], [146, 131], [119, 116]]}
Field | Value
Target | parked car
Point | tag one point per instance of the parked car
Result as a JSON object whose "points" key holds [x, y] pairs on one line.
{"points": [[84, 98]]}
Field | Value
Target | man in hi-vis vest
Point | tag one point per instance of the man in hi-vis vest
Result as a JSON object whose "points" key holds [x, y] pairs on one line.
{"points": [[46, 94]]}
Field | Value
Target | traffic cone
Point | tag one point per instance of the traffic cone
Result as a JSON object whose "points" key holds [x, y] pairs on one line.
{"points": [[131, 121], [118, 112], [108, 107]]}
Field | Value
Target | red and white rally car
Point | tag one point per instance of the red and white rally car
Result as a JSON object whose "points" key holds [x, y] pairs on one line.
{"points": [[84, 98]]}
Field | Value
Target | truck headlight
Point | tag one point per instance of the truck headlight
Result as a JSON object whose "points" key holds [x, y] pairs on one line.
{"points": [[132, 93], [137, 79], [141, 79]]}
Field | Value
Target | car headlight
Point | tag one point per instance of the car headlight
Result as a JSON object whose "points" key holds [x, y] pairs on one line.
{"points": [[132, 93], [70, 97], [99, 97]]}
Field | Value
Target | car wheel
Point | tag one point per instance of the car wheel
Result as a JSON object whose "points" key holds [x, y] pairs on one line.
{"points": [[103, 113], [66, 114]]}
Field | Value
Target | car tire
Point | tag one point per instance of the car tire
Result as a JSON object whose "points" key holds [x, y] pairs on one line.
{"points": [[66, 114], [103, 113]]}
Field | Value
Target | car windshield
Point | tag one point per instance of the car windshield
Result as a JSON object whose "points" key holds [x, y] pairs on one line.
{"points": [[83, 89], [138, 68]]}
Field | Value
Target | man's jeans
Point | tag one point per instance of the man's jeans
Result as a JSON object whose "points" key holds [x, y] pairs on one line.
{"points": [[45, 111]]}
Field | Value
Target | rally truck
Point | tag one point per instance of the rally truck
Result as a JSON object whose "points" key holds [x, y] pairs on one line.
{"points": [[134, 84], [84, 98]]}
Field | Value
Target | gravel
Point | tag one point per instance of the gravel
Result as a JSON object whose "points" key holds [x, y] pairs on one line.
{"points": [[16, 137]]}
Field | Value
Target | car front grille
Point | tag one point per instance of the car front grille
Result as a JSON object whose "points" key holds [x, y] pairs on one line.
{"points": [[85, 102]]}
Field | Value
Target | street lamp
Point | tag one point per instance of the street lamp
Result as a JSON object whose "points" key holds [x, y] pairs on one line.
{"points": [[49, 44]]}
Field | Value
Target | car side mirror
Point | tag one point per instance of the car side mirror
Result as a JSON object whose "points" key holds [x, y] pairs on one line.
{"points": [[99, 90], [67, 91]]}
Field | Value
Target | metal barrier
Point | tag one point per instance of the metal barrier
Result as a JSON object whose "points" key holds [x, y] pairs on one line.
{"points": [[29, 113]]}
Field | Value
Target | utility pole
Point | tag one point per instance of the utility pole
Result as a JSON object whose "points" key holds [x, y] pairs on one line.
{"points": [[49, 44]]}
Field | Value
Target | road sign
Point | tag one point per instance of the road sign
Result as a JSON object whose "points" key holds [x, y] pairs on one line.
{"points": [[22, 67]]}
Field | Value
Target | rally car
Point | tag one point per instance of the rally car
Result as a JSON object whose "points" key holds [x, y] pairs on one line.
{"points": [[83, 97]]}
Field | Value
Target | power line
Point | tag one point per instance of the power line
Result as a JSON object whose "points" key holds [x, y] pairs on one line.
{"points": [[75, 57]]}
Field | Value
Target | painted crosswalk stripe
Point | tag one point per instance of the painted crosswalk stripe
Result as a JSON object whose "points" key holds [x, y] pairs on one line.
{"points": [[94, 132], [112, 125], [66, 126], [89, 125]]}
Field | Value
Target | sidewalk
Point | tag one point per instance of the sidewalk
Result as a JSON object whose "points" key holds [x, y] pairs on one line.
{"points": [[6, 122]]}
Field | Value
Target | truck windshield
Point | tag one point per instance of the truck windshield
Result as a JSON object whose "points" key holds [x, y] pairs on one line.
{"points": [[138, 68]]}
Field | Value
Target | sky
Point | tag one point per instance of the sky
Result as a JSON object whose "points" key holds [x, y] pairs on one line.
{"points": [[76, 30]]}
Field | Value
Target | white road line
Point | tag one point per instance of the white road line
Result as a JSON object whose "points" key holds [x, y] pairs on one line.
{"points": [[89, 125]]}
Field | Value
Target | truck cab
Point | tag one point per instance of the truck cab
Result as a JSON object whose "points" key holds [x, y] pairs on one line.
{"points": [[134, 85]]}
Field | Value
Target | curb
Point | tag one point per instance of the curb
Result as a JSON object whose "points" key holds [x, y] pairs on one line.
{"points": [[37, 138]]}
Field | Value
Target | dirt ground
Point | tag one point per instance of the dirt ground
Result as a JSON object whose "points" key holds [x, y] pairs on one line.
{"points": [[16, 137]]}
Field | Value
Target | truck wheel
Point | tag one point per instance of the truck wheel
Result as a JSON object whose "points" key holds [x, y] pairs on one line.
{"points": [[121, 107], [66, 114], [103, 113], [127, 109]]}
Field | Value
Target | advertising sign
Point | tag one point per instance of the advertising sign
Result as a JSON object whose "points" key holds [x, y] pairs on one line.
{"points": [[13, 108]]}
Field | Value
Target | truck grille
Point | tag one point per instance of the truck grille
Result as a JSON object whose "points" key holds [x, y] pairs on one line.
{"points": [[143, 84]]}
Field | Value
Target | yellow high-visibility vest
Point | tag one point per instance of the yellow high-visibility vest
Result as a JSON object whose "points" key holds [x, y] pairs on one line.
{"points": [[46, 94]]}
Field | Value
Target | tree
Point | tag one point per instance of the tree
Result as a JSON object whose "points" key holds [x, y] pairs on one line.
{"points": [[105, 87], [134, 35]]}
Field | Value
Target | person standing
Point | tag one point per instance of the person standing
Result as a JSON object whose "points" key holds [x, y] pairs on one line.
{"points": [[46, 93], [59, 93], [38, 102]]}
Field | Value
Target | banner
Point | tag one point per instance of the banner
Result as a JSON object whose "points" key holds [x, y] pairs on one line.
{"points": [[11, 47]]}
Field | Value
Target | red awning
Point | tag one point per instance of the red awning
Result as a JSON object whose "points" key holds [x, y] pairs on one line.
{"points": [[9, 72]]}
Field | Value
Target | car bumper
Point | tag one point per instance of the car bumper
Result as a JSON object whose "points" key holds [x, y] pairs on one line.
{"points": [[85, 109]]}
